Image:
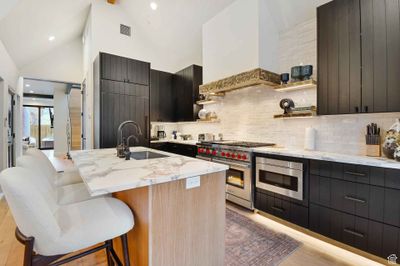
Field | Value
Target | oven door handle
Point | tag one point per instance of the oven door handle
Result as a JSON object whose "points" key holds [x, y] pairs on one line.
{"points": [[243, 166]]}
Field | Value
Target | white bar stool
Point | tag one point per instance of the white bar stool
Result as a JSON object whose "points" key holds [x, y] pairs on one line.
{"points": [[66, 177], [50, 231], [64, 194]]}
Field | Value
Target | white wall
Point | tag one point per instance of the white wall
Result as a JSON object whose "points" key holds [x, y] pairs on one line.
{"points": [[63, 63], [8, 80], [106, 20], [60, 122], [240, 38]]}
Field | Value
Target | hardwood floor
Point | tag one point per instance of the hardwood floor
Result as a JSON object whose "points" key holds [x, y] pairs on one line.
{"points": [[313, 252]]}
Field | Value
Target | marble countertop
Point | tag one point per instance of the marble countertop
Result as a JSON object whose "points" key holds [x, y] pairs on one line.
{"points": [[188, 142], [333, 157], [103, 172]]}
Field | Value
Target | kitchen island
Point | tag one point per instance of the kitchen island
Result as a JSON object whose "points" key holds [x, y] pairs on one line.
{"points": [[177, 221]]}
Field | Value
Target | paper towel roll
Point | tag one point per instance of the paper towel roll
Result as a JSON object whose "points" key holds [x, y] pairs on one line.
{"points": [[309, 140]]}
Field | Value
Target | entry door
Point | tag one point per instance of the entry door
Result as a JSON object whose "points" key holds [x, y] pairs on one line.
{"points": [[11, 131]]}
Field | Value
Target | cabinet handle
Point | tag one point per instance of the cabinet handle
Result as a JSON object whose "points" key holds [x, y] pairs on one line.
{"points": [[354, 233], [354, 173], [354, 199], [145, 126], [357, 109], [278, 209], [366, 108]]}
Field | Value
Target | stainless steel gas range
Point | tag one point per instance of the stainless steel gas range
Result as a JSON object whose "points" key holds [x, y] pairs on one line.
{"points": [[238, 156]]}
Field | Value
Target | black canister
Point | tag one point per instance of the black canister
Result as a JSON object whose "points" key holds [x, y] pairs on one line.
{"points": [[284, 78], [296, 73], [307, 71]]}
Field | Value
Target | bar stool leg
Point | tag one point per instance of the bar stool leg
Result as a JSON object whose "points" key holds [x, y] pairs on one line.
{"points": [[110, 261], [124, 239]]}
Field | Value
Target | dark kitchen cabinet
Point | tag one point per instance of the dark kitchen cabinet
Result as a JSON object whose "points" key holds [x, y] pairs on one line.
{"points": [[380, 24], [358, 56], [339, 60], [281, 208], [356, 204], [162, 96], [374, 237], [118, 101], [186, 86], [118, 68], [177, 148]]}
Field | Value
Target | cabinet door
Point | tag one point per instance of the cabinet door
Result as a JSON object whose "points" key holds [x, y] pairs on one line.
{"points": [[339, 73], [166, 96], [110, 107], [113, 67], [138, 72], [155, 111], [186, 86], [380, 26], [137, 109]]}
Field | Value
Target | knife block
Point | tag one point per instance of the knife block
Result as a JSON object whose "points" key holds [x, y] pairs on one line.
{"points": [[374, 150]]}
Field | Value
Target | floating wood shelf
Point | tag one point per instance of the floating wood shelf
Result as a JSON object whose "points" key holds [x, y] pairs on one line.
{"points": [[209, 121], [295, 114], [306, 84], [203, 102]]}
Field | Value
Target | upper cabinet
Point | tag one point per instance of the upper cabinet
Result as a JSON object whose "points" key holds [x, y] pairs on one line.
{"points": [[173, 96], [161, 96], [124, 69], [186, 86], [121, 93], [380, 28], [358, 56]]}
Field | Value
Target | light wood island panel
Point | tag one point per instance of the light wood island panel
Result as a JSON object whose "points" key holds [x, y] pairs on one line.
{"points": [[175, 225]]}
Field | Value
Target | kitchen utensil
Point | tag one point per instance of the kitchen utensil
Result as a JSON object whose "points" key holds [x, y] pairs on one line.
{"points": [[209, 137], [161, 134], [373, 140]]}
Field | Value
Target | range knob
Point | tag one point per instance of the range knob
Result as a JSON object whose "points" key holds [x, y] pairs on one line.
{"points": [[208, 151], [199, 150], [214, 153], [233, 156], [228, 155], [244, 157], [222, 153], [239, 156]]}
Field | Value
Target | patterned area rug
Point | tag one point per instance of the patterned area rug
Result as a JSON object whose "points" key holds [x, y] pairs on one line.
{"points": [[249, 243]]}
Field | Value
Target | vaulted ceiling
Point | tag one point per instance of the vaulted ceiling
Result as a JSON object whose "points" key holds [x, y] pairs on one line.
{"points": [[25, 25]]}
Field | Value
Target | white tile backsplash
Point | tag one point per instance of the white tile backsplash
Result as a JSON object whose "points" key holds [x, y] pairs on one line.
{"points": [[247, 114]]}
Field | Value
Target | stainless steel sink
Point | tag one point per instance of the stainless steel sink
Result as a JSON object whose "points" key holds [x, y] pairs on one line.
{"points": [[145, 155]]}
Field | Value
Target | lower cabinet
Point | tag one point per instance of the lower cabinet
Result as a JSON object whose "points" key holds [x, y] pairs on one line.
{"points": [[178, 148], [281, 208], [374, 237]]}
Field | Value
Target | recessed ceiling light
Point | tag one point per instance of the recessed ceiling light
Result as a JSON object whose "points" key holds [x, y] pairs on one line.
{"points": [[153, 5], [27, 85], [31, 91], [34, 99], [51, 38]]}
